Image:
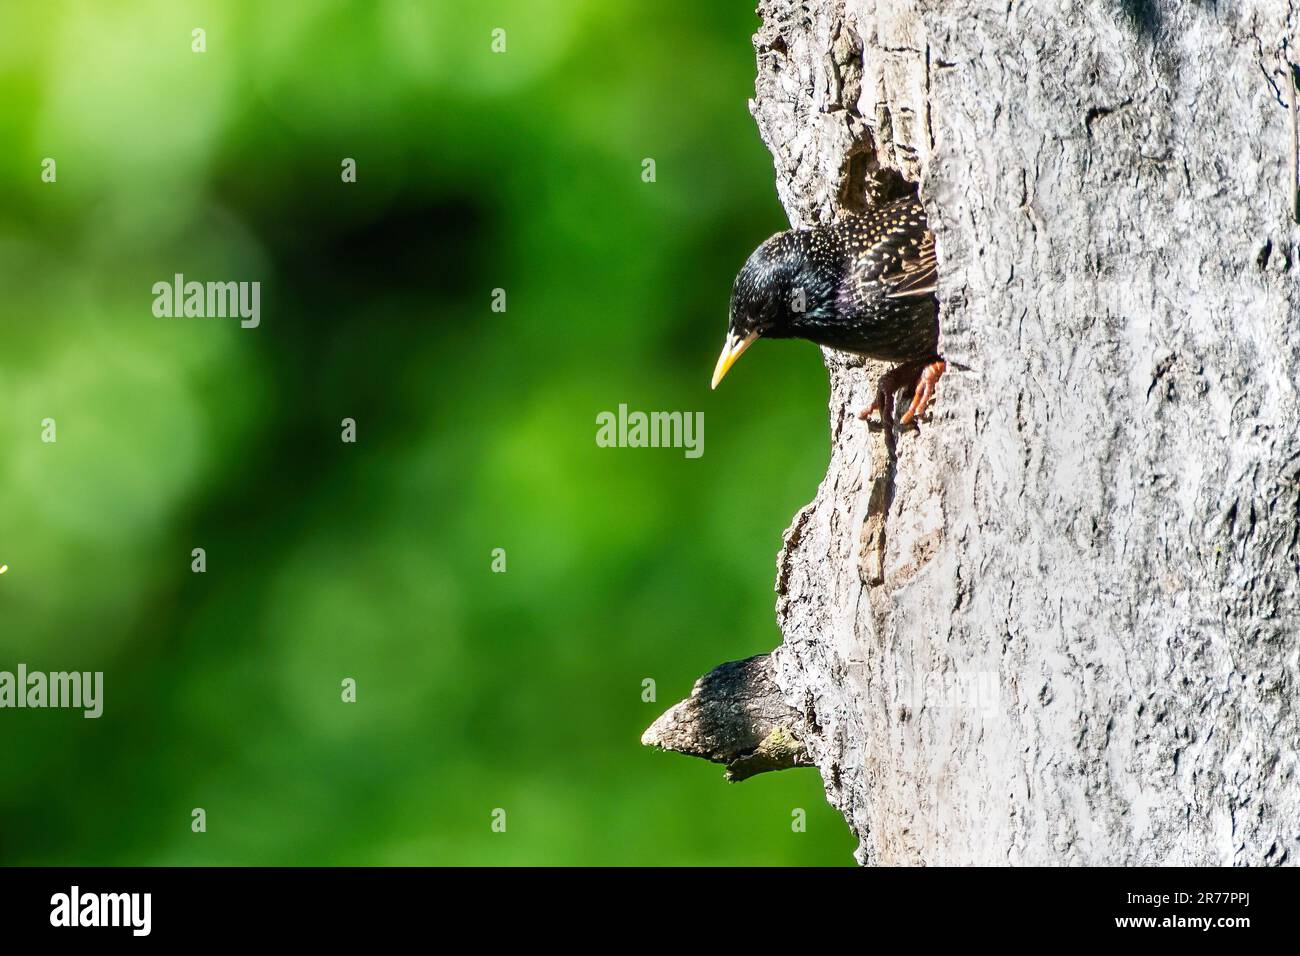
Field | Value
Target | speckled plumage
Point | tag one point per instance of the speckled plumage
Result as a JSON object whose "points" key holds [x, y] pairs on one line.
{"points": [[864, 284], [867, 284]]}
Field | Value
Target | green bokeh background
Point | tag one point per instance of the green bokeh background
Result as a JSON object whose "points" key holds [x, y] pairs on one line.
{"points": [[476, 430]]}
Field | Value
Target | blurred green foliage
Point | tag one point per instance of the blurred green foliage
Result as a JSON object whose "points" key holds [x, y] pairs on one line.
{"points": [[476, 430]]}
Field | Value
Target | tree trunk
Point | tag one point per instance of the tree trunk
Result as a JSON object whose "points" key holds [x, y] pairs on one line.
{"points": [[1059, 624]]}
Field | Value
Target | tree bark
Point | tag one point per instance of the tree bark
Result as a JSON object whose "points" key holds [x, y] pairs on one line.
{"points": [[736, 715], [1059, 624]]}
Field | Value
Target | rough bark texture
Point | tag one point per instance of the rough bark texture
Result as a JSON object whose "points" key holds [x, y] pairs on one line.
{"points": [[1061, 626], [736, 716]]}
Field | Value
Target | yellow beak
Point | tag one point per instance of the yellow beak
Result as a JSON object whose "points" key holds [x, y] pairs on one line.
{"points": [[730, 352]]}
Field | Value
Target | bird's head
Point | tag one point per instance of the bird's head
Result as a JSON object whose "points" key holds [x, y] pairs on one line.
{"points": [[780, 292]]}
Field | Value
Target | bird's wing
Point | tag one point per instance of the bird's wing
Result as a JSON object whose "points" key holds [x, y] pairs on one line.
{"points": [[917, 271]]}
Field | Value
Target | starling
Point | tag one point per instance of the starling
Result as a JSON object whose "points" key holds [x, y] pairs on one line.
{"points": [[864, 284]]}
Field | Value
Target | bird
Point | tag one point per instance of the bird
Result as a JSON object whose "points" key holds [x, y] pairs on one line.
{"points": [[863, 284]]}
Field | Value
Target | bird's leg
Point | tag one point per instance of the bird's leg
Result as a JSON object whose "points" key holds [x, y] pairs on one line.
{"points": [[884, 400], [920, 376], [923, 389]]}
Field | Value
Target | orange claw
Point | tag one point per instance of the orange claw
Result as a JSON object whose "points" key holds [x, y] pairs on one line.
{"points": [[884, 401], [923, 394], [921, 376]]}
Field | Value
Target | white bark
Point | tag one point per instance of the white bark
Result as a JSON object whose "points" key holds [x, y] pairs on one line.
{"points": [[1062, 626]]}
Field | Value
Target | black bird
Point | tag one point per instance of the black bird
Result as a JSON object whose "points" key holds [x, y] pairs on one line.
{"points": [[864, 284]]}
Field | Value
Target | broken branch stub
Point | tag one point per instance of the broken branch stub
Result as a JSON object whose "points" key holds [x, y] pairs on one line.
{"points": [[735, 716]]}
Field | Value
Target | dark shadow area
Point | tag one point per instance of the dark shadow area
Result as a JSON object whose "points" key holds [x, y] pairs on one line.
{"points": [[1143, 15]]}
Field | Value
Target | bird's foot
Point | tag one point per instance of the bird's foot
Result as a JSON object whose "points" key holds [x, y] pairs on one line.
{"points": [[923, 389], [920, 376]]}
